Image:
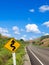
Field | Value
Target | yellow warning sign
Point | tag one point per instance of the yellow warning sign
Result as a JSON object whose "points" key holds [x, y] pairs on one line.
{"points": [[12, 45]]}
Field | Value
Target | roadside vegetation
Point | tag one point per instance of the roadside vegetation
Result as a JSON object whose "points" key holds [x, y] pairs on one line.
{"points": [[6, 55]]}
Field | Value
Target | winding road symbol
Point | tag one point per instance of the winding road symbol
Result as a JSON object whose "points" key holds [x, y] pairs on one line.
{"points": [[12, 45]]}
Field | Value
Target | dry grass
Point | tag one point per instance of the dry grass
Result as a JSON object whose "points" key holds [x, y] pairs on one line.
{"points": [[45, 42]]}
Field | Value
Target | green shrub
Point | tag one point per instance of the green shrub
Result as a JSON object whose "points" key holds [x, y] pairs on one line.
{"points": [[41, 43]]}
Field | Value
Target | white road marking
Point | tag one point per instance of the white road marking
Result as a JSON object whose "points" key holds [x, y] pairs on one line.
{"points": [[37, 58]]}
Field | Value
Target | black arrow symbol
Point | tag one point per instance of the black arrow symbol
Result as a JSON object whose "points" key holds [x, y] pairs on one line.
{"points": [[12, 43]]}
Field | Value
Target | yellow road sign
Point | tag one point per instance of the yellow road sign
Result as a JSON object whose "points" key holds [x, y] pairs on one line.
{"points": [[12, 45]]}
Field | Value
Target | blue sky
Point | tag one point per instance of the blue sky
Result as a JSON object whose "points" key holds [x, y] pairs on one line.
{"points": [[27, 19]]}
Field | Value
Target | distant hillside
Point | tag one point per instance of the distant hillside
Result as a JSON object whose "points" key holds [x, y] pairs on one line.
{"points": [[1, 36], [3, 40], [43, 41]]}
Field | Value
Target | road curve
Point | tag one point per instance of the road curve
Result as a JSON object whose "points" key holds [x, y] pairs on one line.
{"points": [[38, 56]]}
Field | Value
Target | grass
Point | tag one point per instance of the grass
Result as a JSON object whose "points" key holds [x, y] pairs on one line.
{"points": [[19, 55], [6, 55]]}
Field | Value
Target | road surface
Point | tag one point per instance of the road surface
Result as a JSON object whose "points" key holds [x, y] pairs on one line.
{"points": [[38, 56]]}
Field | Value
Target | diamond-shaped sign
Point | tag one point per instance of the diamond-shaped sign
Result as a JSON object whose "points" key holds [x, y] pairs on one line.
{"points": [[12, 45]]}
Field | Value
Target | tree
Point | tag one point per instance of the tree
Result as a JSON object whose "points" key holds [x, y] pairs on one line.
{"points": [[21, 40], [0, 35]]}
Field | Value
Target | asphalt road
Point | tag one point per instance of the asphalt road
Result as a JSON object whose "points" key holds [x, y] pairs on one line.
{"points": [[38, 56]]}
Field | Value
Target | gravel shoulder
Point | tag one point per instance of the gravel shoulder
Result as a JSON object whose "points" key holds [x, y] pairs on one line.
{"points": [[26, 59]]}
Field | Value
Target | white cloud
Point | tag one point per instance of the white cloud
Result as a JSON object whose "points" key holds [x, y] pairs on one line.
{"points": [[24, 37], [31, 38], [46, 23], [31, 10], [15, 38], [6, 34], [32, 28], [3, 30], [46, 34], [43, 32], [44, 8], [16, 30]]}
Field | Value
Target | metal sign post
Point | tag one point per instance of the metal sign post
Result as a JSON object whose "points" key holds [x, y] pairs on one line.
{"points": [[12, 45], [14, 58]]}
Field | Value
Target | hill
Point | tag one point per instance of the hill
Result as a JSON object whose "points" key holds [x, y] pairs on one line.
{"points": [[43, 41]]}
